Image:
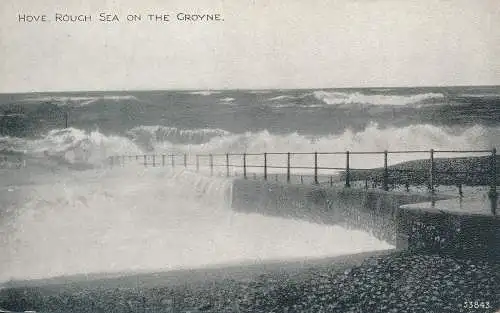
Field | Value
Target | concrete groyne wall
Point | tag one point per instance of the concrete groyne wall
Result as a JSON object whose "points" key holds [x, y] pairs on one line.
{"points": [[435, 225], [458, 227], [372, 210], [419, 222]]}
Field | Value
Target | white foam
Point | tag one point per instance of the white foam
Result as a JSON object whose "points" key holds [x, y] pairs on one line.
{"points": [[227, 99], [347, 98], [204, 92], [284, 97], [77, 146], [169, 131], [152, 219], [373, 138], [74, 146]]}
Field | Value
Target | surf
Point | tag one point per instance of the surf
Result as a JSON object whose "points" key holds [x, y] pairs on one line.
{"points": [[133, 218], [77, 146]]}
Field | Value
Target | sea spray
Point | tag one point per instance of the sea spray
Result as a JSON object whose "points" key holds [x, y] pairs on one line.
{"points": [[133, 218], [349, 98], [75, 146]]}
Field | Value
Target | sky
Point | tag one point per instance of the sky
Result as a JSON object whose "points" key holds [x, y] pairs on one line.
{"points": [[258, 45]]}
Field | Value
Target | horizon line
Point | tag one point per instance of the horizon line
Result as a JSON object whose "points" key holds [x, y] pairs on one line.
{"points": [[241, 89]]}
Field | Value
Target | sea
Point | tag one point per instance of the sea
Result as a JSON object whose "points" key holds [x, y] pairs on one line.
{"points": [[67, 209]]}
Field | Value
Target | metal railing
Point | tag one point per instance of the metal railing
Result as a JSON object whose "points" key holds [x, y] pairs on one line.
{"points": [[480, 169]]}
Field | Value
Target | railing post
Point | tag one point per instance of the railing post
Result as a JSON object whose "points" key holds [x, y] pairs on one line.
{"points": [[172, 157], [145, 161], [265, 165], [431, 172], [154, 160], [163, 160], [347, 170], [227, 164], [245, 165], [185, 160], [493, 188], [211, 159], [288, 168], [315, 168], [386, 172], [197, 163]]}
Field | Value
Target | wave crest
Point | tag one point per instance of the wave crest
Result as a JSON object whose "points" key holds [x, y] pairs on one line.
{"points": [[75, 146], [71, 146], [149, 137], [344, 98]]}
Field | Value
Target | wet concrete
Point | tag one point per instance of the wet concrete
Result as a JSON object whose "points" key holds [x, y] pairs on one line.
{"points": [[461, 206], [462, 227]]}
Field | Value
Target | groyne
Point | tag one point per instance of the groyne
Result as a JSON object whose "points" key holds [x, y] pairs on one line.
{"points": [[419, 221], [382, 201], [372, 210]]}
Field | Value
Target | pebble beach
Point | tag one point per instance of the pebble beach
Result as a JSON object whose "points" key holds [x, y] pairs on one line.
{"points": [[396, 281]]}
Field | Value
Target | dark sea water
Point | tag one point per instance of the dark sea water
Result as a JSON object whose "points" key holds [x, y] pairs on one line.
{"points": [[259, 120], [64, 212], [102, 124]]}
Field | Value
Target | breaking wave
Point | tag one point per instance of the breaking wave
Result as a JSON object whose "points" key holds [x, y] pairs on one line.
{"points": [[137, 219], [345, 98], [148, 137], [204, 92], [70, 146], [227, 100], [278, 98], [75, 146]]}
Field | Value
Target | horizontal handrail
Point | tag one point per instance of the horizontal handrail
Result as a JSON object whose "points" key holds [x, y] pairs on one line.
{"points": [[331, 152], [428, 173], [312, 153]]}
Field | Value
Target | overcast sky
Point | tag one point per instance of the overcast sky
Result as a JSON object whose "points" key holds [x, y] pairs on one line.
{"points": [[260, 44]]}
